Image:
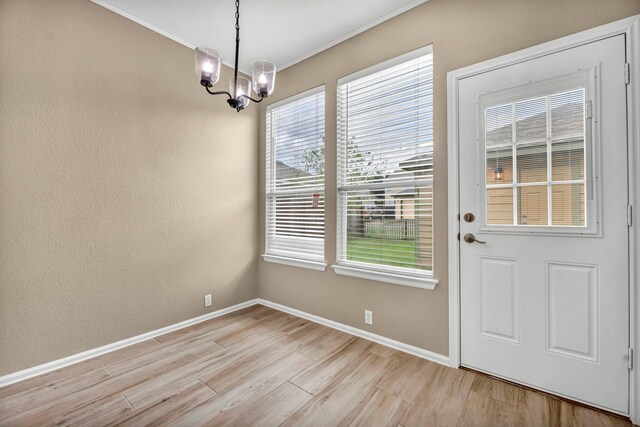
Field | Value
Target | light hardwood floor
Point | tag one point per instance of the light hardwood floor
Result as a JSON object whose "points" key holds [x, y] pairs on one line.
{"points": [[262, 367]]}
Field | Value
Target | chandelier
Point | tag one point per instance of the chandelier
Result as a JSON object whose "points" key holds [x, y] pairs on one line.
{"points": [[263, 74]]}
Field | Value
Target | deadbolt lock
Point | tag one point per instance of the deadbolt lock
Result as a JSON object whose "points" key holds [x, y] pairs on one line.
{"points": [[469, 217]]}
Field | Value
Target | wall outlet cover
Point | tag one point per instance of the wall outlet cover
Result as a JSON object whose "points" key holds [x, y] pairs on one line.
{"points": [[368, 317], [207, 300]]}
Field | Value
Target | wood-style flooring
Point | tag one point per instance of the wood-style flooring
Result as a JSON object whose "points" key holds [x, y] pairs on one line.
{"points": [[262, 367]]}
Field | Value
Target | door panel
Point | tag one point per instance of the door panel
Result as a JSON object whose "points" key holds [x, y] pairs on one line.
{"points": [[499, 298], [543, 168], [572, 310]]}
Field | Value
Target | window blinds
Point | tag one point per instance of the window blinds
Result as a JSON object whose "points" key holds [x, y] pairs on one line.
{"points": [[385, 166], [295, 177]]}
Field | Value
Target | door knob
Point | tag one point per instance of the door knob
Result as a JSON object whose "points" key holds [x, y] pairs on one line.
{"points": [[470, 238]]}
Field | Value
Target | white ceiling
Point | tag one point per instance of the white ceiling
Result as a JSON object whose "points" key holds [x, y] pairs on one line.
{"points": [[282, 31]]}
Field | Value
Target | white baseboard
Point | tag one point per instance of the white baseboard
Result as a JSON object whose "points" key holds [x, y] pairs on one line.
{"points": [[85, 355], [416, 351], [79, 357]]}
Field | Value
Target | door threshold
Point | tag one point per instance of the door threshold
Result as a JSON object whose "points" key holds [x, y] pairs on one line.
{"points": [[553, 395]]}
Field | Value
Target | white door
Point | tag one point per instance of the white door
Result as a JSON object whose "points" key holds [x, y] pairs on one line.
{"points": [[543, 169]]}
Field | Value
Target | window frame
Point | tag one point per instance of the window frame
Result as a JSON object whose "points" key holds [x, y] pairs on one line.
{"points": [[270, 168], [593, 210], [382, 273]]}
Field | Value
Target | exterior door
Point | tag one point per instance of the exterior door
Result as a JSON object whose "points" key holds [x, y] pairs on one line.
{"points": [[544, 254]]}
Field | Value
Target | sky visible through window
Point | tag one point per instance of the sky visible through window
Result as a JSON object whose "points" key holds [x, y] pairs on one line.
{"points": [[304, 133], [385, 132], [391, 116]]}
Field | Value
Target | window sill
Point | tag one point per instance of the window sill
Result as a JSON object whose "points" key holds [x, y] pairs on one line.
{"points": [[428, 283], [295, 262]]}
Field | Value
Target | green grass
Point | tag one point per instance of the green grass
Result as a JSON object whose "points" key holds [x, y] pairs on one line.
{"points": [[389, 252]]}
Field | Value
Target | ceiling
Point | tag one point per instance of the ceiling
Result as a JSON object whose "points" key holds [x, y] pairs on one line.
{"points": [[282, 31]]}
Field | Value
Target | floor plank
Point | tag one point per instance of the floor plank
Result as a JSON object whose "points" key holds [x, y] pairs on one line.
{"points": [[575, 415], [216, 324], [50, 378], [441, 401], [334, 404], [165, 355], [250, 389], [15, 405], [249, 336], [98, 412], [325, 345], [262, 367], [537, 409], [407, 377], [117, 384], [226, 377], [490, 402], [271, 410], [166, 411], [383, 410], [322, 374]]}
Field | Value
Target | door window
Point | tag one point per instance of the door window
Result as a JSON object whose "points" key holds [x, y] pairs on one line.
{"points": [[535, 163]]}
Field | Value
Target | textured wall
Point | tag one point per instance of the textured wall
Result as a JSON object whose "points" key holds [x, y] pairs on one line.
{"points": [[126, 192], [463, 32]]}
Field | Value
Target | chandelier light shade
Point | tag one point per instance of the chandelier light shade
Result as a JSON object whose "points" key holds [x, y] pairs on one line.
{"points": [[242, 89], [208, 63], [263, 74]]}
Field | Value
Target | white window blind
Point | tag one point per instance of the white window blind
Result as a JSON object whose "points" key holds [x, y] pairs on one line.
{"points": [[536, 161], [295, 177], [385, 166]]}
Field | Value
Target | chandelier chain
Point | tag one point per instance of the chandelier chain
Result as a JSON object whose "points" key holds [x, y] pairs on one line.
{"points": [[237, 15], [235, 70]]}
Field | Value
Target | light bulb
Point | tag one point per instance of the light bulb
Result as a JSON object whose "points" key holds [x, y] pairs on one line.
{"points": [[262, 85], [207, 67], [206, 73]]}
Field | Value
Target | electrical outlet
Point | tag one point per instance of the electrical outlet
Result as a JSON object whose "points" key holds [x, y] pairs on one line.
{"points": [[207, 300], [368, 317]]}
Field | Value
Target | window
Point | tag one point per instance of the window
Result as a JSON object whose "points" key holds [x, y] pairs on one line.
{"points": [[535, 161], [295, 180], [385, 171]]}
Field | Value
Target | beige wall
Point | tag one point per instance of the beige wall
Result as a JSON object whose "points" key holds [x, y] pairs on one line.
{"points": [[463, 32], [126, 192]]}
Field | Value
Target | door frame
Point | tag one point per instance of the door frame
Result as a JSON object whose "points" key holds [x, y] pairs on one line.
{"points": [[630, 27]]}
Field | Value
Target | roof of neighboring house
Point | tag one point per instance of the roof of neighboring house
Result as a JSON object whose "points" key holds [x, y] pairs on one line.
{"points": [[419, 163], [398, 174], [284, 171], [407, 192], [564, 123]]}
